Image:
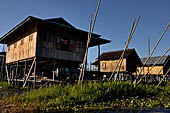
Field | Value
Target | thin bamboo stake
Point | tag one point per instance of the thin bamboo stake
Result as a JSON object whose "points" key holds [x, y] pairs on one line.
{"points": [[85, 56], [153, 65], [90, 34], [152, 52], [127, 46], [29, 73], [164, 77], [124, 50]]}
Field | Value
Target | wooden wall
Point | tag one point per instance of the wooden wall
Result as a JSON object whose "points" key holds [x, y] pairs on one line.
{"points": [[108, 66], [154, 71], [59, 43], [22, 45]]}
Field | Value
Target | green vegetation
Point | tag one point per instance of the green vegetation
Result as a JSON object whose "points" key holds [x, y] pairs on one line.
{"points": [[91, 96], [4, 86]]}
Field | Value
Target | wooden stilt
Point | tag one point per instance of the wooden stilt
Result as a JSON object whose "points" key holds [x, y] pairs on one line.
{"points": [[25, 68], [7, 74], [99, 75], [35, 74], [16, 74], [164, 77], [54, 71], [29, 72]]}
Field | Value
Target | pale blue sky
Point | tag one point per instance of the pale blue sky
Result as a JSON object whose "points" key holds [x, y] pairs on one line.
{"points": [[113, 22]]}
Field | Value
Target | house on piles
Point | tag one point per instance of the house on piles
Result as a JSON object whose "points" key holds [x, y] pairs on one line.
{"points": [[45, 49], [107, 62], [156, 71]]}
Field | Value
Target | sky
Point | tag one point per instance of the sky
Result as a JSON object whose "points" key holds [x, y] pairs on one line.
{"points": [[113, 22]]}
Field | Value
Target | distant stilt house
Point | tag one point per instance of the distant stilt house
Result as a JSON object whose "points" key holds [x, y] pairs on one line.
{"points": [[109, 60], [2, 66], [158, 70], [41, 50]]}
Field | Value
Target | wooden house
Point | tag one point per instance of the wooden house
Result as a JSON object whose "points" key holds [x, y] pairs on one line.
{"points": [[43, 46], [109, 60], [159, 69]]}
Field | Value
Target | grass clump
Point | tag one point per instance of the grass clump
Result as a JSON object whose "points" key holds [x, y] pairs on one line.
{"points": [[92, 95], [5, 86]]}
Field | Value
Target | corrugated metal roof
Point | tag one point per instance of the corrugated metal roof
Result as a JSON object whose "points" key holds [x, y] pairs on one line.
{"points": [[152, 60]]}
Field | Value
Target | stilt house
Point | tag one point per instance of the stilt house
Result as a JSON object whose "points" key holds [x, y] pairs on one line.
{"points": [[109, 60], [159, 69], [48, 48]]}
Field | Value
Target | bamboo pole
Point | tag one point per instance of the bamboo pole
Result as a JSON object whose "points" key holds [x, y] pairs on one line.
{"points": [[126, 47], [81, 76], [164, 77], [152, 52], [85, 56], [124, 50], [163, 66], [153, 65], [29, 73]]}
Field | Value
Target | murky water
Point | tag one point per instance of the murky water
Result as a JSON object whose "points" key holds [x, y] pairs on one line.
{"points": [[128, 111]]}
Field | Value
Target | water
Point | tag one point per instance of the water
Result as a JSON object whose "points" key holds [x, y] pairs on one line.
{"points": [[128, 111]]}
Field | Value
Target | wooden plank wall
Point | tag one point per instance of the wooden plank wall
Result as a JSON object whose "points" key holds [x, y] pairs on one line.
{"points": [[50, 45], [154, 71], [22, 46], [108, 66]]}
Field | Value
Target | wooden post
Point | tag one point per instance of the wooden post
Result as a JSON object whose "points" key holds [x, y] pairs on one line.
{"points": [[29, 73], [99, 75], [12, 74], [16, 74], [54, 71], [35, 76], [7, 74]]}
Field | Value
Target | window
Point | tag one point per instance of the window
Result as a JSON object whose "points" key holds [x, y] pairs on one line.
{"points": [[71, 45], [104, 65], [64, 44], [8, 48], [30, 38], [58, 45], [15, 45], [22, 41]]}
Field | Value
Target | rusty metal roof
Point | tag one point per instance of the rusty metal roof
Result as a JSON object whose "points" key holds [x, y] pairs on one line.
{"points": [[152, 60]]}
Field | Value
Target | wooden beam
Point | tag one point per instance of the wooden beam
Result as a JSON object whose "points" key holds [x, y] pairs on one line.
{"points": [[35, 74], [7, 74], [29, 73]]}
